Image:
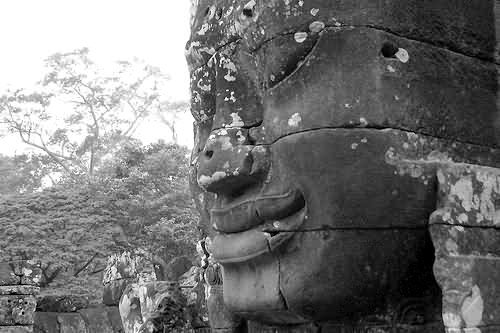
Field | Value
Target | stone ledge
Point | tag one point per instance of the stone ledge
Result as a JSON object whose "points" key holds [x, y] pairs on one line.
{"points": [[19, 290], [17, 309], [61, 304], [24, 272], [16, 329]]}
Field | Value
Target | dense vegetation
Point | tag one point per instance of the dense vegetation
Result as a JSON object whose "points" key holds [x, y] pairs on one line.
{"points": [[89, 188]]}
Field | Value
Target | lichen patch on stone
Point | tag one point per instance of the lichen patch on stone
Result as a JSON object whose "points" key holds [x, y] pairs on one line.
{"points": [[294, 120]]}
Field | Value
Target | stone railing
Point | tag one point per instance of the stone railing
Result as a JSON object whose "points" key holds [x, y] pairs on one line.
{"points": [[18, 287]]}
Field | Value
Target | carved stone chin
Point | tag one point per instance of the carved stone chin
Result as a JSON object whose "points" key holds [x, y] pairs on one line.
{"points": [[324, 130]]}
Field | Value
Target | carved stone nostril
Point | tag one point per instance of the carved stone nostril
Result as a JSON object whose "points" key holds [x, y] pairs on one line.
{"points": [[389, 50], [209, 153]]}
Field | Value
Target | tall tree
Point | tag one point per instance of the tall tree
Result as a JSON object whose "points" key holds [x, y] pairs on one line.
{"points": [[79, 113]]}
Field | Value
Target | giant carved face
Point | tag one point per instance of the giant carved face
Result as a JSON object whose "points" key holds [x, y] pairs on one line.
{"points": [[318, 125]]}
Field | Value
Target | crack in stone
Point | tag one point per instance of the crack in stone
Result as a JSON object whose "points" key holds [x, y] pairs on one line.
{"points": [[468, 226], [333, 27], [280, 291], [380, 128], [442, 46], [387, 228]]}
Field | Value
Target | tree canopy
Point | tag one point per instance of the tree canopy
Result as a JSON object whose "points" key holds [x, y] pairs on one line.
{"points": [[79, 113], [140, 202], [107, 191]]}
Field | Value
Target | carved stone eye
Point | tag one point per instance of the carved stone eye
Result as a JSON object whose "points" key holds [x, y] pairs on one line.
{"points": [[288, 54]]}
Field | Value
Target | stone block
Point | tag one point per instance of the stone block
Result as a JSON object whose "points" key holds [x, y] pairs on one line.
{"points": [[465, 241], [469, 195], [7, 274], [96, 320], [46, 322], [471, 292], [17, 309], [464, 230], [65, 303], [20, 272], [113, 290], [71, 323], [19, 290], [120, 266]]}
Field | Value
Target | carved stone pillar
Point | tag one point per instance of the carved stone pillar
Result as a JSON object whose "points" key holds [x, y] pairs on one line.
{"points": [[465, 230]]}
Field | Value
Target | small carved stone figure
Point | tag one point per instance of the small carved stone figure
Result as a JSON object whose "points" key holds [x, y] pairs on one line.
{"points": [[321, 129]]}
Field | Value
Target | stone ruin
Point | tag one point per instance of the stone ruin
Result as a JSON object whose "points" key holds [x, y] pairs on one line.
{"points": [[18, 288], [346, 164], [173, 301]]}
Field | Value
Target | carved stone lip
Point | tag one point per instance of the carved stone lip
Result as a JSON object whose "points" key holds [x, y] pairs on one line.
{"points": [[248, 213], [240, 247]]}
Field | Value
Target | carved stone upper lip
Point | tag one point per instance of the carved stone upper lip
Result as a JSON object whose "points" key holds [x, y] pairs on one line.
{"points": [[253, 226], [243, 246], [251, 212]]}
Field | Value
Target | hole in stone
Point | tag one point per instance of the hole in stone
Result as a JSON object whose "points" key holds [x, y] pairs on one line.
{"points": [[273, 232], [209, 153], [207, 11], [389, 50], [248, 12], [218, 14]]}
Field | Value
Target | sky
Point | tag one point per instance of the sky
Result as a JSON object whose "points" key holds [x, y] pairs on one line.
{"points": [[153, 30]]}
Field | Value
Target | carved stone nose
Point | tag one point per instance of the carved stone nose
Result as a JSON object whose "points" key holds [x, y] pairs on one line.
{"points": [[228, 163]]}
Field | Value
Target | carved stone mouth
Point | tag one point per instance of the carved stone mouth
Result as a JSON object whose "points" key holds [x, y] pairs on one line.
{"points": [[264, 229], [247, 214]]}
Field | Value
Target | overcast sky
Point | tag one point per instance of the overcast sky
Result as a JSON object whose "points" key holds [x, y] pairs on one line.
{"points": [[152, 30]]}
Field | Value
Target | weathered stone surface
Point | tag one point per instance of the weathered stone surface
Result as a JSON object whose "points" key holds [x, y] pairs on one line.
{"points": [[438, 22], [16, 329], [28, 271], [218, 315], [320, 129], [71, 323], [120, 266], [17, 309], [7, 275], [19, 290], [46, 322], [395, 93], [159, 304], [471, 293], [113, 290], [62, 303], [96, 320], [464, 241], [466, 238], [469, 196], [115, 319]]}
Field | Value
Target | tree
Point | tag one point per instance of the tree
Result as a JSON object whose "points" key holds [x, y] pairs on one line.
{"points": [[23, 173], [78, 113], [138, 200], [151, 184], [168, 113]]}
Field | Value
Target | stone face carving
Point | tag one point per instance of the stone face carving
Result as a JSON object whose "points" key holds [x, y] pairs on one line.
{"points": [[320, 129]]}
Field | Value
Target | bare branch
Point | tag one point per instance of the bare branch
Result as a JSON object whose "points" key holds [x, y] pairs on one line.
{"points": [[85, 265]]}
